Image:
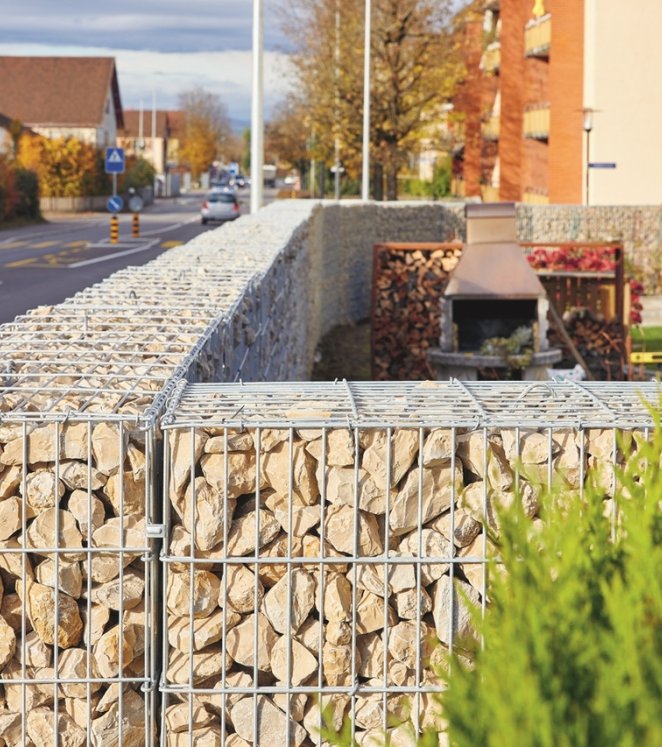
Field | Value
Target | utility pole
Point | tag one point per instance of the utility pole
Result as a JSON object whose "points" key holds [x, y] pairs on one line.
{"points": [[588, 126], [365, 178], [257, 109], [336, 190]]}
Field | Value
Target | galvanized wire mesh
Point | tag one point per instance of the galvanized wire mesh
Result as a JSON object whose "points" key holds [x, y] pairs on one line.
{"points": [[325, 541]]}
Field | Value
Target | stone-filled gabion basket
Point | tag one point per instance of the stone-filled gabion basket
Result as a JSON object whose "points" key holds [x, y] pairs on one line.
{"points": [[324, 542]]}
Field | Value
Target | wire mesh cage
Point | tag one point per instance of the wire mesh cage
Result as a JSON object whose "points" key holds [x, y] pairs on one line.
{"points": [[324, 542]]}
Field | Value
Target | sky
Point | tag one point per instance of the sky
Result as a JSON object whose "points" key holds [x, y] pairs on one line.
{"points": [[162, 47]]}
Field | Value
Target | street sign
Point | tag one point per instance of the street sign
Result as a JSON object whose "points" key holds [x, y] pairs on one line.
{"points": [[600, 165], [114, 161], [135, 203], [115, 204]]}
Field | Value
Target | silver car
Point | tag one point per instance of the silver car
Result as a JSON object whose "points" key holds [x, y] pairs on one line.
{"points": [[220, 206]]}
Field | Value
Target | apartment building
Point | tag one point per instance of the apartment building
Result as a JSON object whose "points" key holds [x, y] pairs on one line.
{"points": [[561, 102]]}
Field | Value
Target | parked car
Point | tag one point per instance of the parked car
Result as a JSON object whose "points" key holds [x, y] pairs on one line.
{"points": [[239, 180], [219, 206]]}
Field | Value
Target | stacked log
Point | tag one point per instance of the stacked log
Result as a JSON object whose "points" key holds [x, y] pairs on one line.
{"points": [[72, 486], [348, 622], [408, 282]]}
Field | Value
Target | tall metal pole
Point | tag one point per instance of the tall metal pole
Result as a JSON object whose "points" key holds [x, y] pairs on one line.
{"points": [[336, 189], [588, 161], [365, 178], [257, 109]]}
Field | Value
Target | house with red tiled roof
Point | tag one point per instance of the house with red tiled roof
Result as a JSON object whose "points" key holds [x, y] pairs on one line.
{"points": [[154, 135], [63, 96]]}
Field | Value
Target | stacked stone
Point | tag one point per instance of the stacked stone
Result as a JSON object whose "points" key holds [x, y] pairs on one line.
{"points": [[72, 486], [245, 616]]}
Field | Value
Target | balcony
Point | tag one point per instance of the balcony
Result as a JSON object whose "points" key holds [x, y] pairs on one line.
{"points": [[491, 59], [538, 37], [536, 122], [490, 128]]}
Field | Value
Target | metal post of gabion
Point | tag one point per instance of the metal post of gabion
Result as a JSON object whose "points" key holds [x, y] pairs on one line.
{"points": [[323, 541]]}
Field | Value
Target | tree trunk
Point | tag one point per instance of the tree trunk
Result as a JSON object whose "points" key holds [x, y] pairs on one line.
{"points": [[378, 181], [392, 182]]}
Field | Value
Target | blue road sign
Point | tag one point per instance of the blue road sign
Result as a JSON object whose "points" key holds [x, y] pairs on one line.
{"points": [[601, 165], [114, 161], [115, 204]]}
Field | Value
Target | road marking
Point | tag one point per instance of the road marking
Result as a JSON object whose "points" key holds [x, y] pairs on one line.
{"points": [[170, 244], [106, 257], [75, 244], [12, 244], [44, 245], [22, 262]]}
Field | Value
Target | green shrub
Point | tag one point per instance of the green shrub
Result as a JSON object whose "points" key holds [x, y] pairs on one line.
{"points": [[140, 173], [572, 651], [27, 186]]}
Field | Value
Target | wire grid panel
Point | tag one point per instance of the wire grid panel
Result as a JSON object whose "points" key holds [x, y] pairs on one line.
{"points": [[77, 655], [326, 540]]}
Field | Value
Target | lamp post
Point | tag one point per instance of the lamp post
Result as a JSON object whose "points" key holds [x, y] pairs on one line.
{"points": [[257, 109], [588, 126], [365, 177]]}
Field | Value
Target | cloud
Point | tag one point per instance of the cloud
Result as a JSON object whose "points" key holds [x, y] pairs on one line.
{"points": [[156, 25]]}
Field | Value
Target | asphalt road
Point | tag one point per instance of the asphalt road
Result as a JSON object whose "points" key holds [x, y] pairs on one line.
{"points": [[44, 264]]}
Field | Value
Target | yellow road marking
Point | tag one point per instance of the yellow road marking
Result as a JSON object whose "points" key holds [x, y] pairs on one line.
{"points": [[22, 262], [170, 244], [13, 245], [75, 244], [44, 245]]}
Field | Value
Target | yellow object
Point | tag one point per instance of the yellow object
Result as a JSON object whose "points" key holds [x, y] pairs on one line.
{"points": [[539, 8], [136, 226], [114, 229], [654, 356]]}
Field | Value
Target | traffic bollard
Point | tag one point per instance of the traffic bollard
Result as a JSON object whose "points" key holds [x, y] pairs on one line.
{"points": [[136, 225], [114, 229]]}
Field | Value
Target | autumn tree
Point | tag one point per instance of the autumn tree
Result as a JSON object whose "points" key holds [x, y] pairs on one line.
{"points": [[286, 136], [206, 129], [412, 73]]}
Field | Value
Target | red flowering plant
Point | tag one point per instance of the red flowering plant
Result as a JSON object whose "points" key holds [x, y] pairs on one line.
{"points": [[585, 259]]}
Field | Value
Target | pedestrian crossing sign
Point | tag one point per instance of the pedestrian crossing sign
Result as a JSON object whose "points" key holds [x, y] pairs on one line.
{"points": [[114, 161]]}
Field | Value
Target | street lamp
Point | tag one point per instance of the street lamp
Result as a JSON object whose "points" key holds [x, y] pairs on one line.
{"points": [[588, 126], [257, 109], [365, 177]]}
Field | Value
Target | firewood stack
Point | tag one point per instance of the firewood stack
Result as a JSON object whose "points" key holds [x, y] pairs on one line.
{"points": [[407, 285], [260, 626]]}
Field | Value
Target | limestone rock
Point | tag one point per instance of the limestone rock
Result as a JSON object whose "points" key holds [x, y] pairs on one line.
{"points": [[308, 635], [107, 649], [370, 613], [7, 643], [370, 648], [131, 590], [99, 617], [438, 448], [403, 448], [433, 545], [407, 604], [180, 547], [206, 630], [271, 723], [402, 642], [338, 633], [207, 663], [210, 735], [240, 643], [312, 548], [75, 476], [302, 662], [79, 710], [298, 593], [242, 589], [10, 517], [471, 451], [70, 578], [277, 467], [106, 566], [271, 437], [40, 604], [106, 729], [340, 531], [462, 625], [473, 500], [465, 527], [337, 598], [206, 588], [135, 495], [79, 507], [180, 718], [40, 725], [340, 488], [237, 441], [234, 740], [41, 534], [297, 703], [241, 540], [37, 653], [11, 612], [340, 449], [42, 446], [210, 513], [333, 706], [11, 729], [42, 492], [36, 695], [107, 442], [72, 664], [435, 497], [10, 479], [304, 517], [241, 472], [185, 450], [337, 664]]}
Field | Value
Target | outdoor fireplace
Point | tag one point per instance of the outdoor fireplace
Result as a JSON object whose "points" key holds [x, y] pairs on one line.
{"points": [[494, 308]]}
